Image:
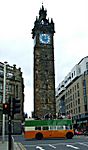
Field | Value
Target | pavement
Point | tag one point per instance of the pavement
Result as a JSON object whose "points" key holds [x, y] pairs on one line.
{"points": [[16, 146]]}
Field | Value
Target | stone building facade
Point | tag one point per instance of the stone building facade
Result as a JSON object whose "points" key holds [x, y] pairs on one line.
{"points": [[74, 94], [44, 74], [14, 89]]}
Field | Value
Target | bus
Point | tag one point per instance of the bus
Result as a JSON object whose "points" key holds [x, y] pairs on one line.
{"points": [[56, 128]]}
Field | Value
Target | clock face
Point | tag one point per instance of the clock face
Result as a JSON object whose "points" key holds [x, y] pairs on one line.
{"points": [[45, 38]]}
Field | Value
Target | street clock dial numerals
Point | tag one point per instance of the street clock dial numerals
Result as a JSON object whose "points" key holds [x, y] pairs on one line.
{"points": [[44, 38]]}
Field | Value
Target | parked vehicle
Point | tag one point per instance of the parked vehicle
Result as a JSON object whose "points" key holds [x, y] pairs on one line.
{"points": [[76, 132]]}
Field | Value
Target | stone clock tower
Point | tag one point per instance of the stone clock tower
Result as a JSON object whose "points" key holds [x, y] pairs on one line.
{"points": [[44, 73]]}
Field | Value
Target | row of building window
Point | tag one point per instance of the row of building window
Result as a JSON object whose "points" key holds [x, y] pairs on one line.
{"points": [[74, 111], [9, 88], [72, 97], [70, 105], [77, 110], [72, 90]]}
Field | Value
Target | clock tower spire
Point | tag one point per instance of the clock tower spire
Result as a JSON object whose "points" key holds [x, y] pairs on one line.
{"points": [[44, 73]]}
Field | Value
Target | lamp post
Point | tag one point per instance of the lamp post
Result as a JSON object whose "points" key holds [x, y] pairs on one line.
{"points": [[4, 93]]}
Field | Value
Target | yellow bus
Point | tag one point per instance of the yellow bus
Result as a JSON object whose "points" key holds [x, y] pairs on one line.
{"points": [[39, 129]]}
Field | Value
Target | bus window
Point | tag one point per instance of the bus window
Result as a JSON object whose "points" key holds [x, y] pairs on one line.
{"points": [[30, 128], [59, 127], [37, 128], [67, 127], [52, 127], [45, 128]]}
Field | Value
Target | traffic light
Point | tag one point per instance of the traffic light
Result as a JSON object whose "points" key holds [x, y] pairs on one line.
{"points": [[5, 108], [15, 106]]}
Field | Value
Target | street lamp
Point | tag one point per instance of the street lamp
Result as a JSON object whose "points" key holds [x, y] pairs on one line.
{"points": [[4, 92]]}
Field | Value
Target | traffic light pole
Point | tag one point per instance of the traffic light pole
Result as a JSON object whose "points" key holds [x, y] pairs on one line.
{"points": [[4, 92], [9, 127], [9, 135]]}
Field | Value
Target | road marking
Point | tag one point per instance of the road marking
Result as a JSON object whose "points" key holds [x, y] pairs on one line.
{"points": [[52, 146], [72, 146], [38, 147], [83, 144], [21, 146]]}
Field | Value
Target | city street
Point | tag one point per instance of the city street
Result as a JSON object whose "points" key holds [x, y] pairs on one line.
{"points": [[78, 142]]}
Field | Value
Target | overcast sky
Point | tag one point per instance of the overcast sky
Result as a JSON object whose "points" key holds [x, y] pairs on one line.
{"points": [[70, 41]]}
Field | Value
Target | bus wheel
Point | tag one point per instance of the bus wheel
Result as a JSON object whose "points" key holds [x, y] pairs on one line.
{"points": [[39, 136], [69, 135]]}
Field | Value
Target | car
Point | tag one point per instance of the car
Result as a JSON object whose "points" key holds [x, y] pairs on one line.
{"points": [[76, 132]]}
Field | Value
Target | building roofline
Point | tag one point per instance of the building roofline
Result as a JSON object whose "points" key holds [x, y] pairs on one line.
{"points": [[82, 59]]}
